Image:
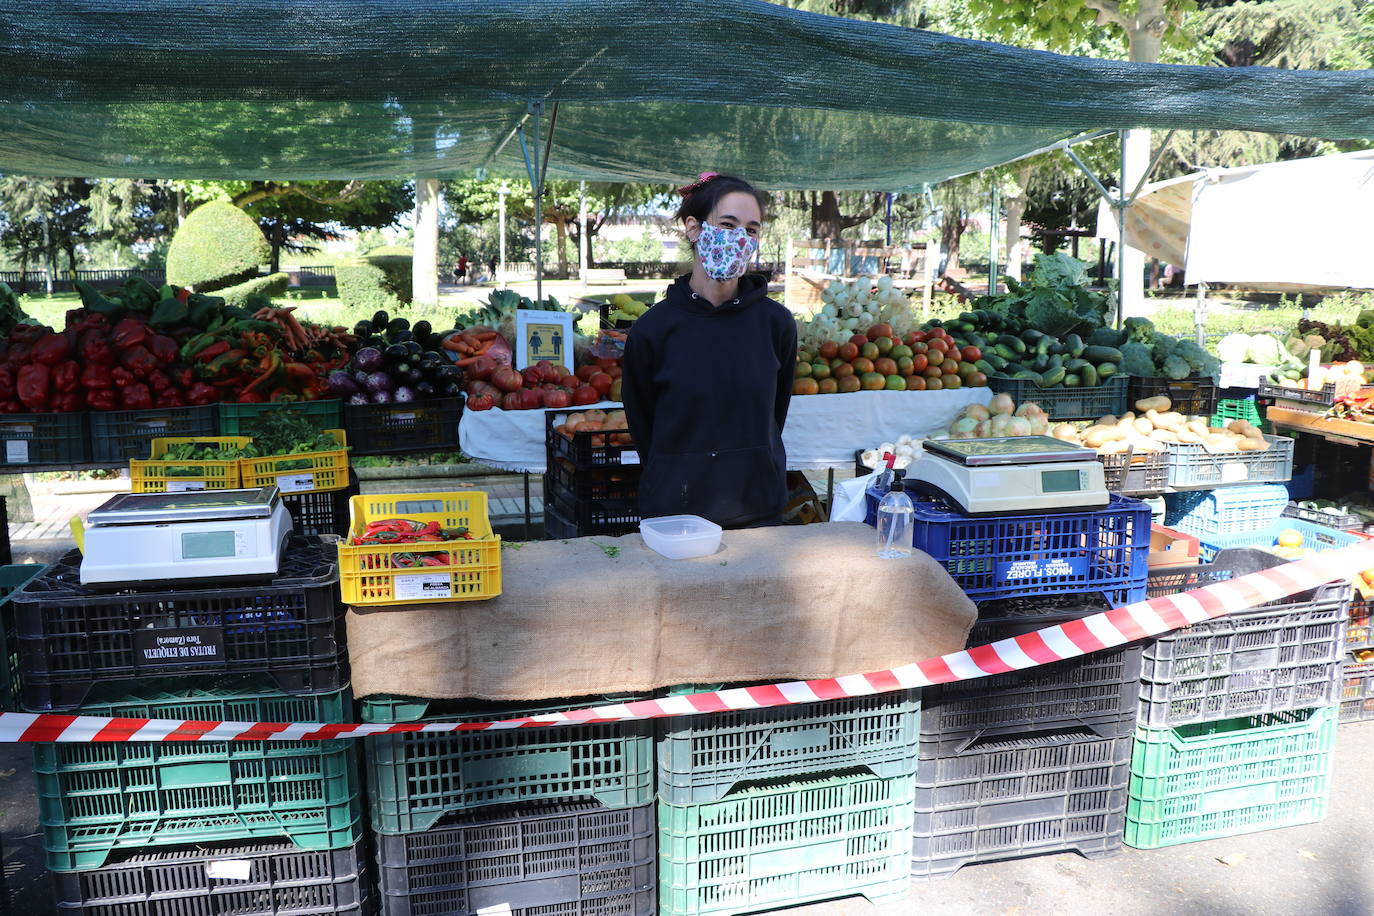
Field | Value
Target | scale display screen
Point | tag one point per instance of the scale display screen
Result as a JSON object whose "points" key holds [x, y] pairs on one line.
{"points": [[207, 545], [1059, 481]]}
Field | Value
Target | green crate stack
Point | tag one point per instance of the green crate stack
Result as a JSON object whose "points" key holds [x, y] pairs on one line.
{"points": [[1229, 409], [428, 790], [770, 807], [1220, 779]]}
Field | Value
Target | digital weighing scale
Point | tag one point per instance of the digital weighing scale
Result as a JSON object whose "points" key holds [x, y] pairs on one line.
{"points": [[1010, 476], [202, 535]]}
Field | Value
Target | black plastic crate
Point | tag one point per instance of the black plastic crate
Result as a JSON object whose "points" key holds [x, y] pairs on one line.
{"points": [[1322, 398], [228, 879], [72, 637], [43, 438], [416, 426], [317, 512], [1067, 403], [1098, 692], [533, 858], [6, 555], [118, 435], [1280, 656], [580, 449], [618, 483], [1192, 397], [606, 517], [1010, 797]]}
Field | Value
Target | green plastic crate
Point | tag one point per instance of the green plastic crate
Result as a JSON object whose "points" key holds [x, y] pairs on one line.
{"points": [[234, 418], [94, 798], [1229, 409], [1219, 779], [701, 757], [12, 578], [783, 842], [415, 778]]}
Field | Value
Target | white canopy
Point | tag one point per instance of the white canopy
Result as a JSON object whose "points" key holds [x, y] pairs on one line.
{"points": [[1301, 223]]}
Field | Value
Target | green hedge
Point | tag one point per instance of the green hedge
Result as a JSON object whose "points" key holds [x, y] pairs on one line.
{"points": [[218, 246], [271, 286], [398, 269], [364, 286]]}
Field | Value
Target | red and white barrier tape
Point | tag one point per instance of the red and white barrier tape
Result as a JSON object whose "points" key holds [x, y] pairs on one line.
{"points": [[1051, 644]]}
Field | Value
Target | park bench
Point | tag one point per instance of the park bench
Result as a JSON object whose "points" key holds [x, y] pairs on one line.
{"points": [[604, 275]]}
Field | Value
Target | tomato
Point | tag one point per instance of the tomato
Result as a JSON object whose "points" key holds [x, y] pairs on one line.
{"points": [[614, 371], [932, 372], [558, 397], [830, 349], [805, 356], [916, 383], [584, 373], [934, 384], [872, 381], [953, 381], [972, 354], [481, 402], [602, 383], [532, 399], [849, 383], [880, 330], [820, 371], [849, 351], [615, 391], [585, 394], [862, 365], [938, 345], [884, 365], [828, 386], [843, 370], [906, 365], [950, 367], [870, 351], [569, 381], [919, 363], [977, 380], [859, 340], [805, 386], [919, 347], [511, 400], [606, 362], [916, 337], [966, 369], [900, 350], [884, 344], [803, 369], [895, 383]]}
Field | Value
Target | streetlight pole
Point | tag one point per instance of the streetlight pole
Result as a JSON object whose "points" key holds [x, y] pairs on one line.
{"points": [[582, 230], [502, 194]]}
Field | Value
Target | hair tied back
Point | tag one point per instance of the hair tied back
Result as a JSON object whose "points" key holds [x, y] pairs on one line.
{"points": [[703, 179]]}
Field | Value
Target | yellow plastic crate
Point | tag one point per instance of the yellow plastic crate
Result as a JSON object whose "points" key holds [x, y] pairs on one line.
{"points": [[150, 476], [303, 473], [368, 574]]}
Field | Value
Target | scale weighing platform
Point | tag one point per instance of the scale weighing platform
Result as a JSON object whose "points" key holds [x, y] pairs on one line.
{"points": [[1010, 476], [206, 536]]}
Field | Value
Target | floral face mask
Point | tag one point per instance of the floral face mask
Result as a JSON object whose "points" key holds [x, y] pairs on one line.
{"points": [[725, 253]]}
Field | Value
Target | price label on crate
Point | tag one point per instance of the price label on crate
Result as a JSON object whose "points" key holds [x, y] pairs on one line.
{"points": [[187, 645], [629, 456], [415, 586], [17, 451], [229, 869], [184, 486], [499, 909], [1234, 471], [1036, 569], [152, 426], [295, 483]]}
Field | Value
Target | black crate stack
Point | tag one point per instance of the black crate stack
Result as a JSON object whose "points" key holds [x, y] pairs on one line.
{"points": [[591, 484], [236, 826]]}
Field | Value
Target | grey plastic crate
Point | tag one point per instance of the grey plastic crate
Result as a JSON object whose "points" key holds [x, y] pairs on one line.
{"points": [[1284, 655], [700, 758], [1192, 467], [1011, 797], [202, 881], [1099, 691], [535, 857], [1357, 691]]}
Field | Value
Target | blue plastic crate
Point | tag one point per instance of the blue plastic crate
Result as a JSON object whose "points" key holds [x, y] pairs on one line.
{"points": [[1092, 551], [1303, 484], [1319, 537], [1226, 510]]}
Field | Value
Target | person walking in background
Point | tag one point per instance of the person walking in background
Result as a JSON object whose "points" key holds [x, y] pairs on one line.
{"points": [[461, 273], [492, 265]]}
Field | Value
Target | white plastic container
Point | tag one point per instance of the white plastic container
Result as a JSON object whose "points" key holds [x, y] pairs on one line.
{"points": [[681, 537]]}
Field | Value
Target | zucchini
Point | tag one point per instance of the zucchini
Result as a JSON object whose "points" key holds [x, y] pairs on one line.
{"points": [[1097, 355], [1053, 377]]}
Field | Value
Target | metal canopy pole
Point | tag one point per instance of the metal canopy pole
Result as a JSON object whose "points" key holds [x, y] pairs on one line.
{"points": [[582, 230]]}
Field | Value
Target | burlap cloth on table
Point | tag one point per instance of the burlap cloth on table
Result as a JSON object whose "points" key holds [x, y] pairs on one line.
{"points": [[785, 603]]}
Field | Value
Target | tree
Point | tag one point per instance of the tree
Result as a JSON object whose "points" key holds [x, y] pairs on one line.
{"points": [[42, 216]]}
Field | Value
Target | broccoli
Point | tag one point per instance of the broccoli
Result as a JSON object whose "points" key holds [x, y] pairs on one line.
{"points": [[1176, 367], [1199, 360], [1140, 329], [1136, 359], [1163, 348], [1106, 337]]}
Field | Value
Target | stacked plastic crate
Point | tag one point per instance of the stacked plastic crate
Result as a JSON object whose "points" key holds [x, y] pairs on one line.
{"points": [[523, 821], [591, 480], [766, 808], [1036, 761], [1238, 714], [245, 826]]}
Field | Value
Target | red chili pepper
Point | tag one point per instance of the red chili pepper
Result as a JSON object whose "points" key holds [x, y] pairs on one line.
{"points": [[218, 348], [434, 559]]}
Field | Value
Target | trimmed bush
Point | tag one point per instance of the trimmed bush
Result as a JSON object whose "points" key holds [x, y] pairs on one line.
{"points": [[364, 286], [398, 270], [389, 251], [217, 246], [271, 286]]}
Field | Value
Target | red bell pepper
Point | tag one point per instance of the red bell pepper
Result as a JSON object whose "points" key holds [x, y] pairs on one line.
{"points": [[130, 333], [121, 377], [183, 377], [103, 399], [164, 349], [95, 375], [201, 394], [69, 402], [136, 397], [6, 384], [171, 397], [158, 381], [138, 361], [19, 353], [52, 349], [66, 378], [94, 347], [35, 386]]}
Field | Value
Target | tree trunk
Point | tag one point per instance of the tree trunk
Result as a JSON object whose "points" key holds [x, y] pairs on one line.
{"points": [[276, 237], [1145, 33], [826, 221], [181, 206], [951, 230], [425, 266], [24, 270], [560, 225], [1016, 207]]}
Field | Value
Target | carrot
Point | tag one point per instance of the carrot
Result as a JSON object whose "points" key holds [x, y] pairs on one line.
{"points": [[468, 362], [486, 335], [451, 343]]}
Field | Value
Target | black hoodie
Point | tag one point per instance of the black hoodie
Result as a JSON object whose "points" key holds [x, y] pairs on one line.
{"points": [[706, 390]]}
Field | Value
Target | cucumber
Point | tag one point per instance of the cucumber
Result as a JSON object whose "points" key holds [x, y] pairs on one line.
{"points": [[1072, 381], [1040, 364], [1076, 365], [1031, 335], [1027, 376], [1042, 346], [1075, 345], [1015, 343], [995, 360], [1096, 355], [1059, 348], [969, 317], [1089, 375], [1056, 360], [1011, 369], [1006, 352], [1106, 371], [984, 366], [1053, 377]]}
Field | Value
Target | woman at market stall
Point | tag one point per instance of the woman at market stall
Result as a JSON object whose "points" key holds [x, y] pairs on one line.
{"points": [[708, 372]]}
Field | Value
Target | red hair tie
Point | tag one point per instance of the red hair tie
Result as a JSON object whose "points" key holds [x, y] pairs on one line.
{"points": [[702, 179]]}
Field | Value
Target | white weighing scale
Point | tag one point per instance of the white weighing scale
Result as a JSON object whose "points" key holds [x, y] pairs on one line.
{"points": [[203, 535], [1010, 476]]}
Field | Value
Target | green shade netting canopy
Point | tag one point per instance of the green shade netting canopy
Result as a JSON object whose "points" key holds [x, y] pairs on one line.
{"points": [[647, 90]]}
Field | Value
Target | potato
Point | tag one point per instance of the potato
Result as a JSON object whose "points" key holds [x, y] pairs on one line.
{"points": [[1098, 436], [1108, 420], [1113, 448], [1160, 403], [1189, 436], [1248, 444], [1198, 427], [1164, 435], [1243, 427], [1143, 426], [1170, 420], [1128, 415], [1065, 432]]}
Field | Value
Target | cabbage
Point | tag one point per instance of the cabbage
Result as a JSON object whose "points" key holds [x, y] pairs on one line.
{"points": [[1264, 350], [1235, 348]]}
